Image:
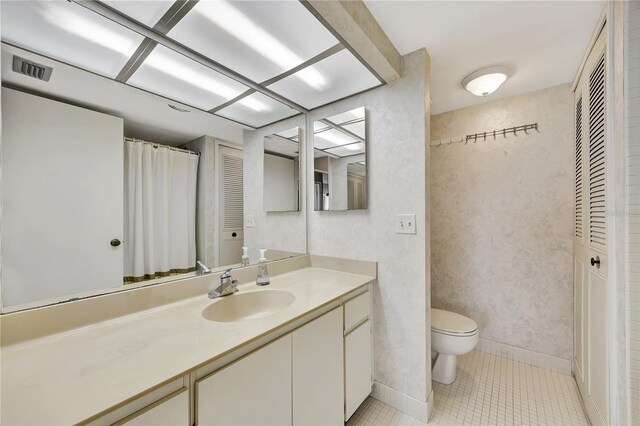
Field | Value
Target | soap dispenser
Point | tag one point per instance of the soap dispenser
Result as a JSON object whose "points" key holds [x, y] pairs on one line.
{"points": [[245, 257], [263, 274]]}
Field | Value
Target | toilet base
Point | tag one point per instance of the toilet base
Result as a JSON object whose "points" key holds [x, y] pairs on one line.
{"points": [[444, 370]]}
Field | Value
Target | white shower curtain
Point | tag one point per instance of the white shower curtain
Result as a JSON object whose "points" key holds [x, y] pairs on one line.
{"points": [[160, 211]]}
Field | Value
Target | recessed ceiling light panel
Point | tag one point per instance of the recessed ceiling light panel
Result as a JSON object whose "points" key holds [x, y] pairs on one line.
{"points": [[485, 81]]}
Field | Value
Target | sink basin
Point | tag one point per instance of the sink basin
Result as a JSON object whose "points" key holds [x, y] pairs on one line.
{"points": [[248, 306]]}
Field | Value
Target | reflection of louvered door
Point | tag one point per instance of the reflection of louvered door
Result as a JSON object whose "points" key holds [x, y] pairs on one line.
{"points": [[590, 244], [231, 206]]}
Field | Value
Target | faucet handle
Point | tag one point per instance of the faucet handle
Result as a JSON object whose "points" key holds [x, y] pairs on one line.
{"points": [[226, 274]]}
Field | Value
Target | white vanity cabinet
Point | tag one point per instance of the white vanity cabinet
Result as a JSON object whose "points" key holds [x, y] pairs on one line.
{"points": [[316, 372], [358, 352], [255, 390], [318, 390], [298, 379]]}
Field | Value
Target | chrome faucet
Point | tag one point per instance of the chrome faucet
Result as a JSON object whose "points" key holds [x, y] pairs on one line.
{"points": [[227, 286], [202, 268]]}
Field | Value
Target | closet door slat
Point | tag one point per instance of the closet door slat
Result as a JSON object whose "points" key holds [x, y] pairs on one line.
{"points": [[597, 157]]}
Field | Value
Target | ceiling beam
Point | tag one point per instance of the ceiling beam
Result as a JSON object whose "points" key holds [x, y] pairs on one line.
{"points": [[342, 130], [176, 12], [323, 55], [353, 24]]}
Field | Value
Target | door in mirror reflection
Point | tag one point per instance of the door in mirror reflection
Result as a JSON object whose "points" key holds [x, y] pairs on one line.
{"points": [[340, 167], [282, 171], [231, 205]]}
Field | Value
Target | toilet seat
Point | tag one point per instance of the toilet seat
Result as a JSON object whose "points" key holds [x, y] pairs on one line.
{"points": [[452, 324], [452, 335]]}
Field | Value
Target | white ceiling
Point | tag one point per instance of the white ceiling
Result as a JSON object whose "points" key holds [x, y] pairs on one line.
{"points": [[544, 41], [146, 116]]}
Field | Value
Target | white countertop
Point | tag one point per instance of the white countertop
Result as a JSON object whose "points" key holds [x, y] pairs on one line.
{"points": [[69, 377]]}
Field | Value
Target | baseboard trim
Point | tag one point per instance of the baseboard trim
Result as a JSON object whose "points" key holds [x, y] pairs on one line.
{"points": [[559, 365], [402, 402]]}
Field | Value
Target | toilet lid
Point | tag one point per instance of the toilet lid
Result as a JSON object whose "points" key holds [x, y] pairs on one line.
{"points": [[450, 322]]}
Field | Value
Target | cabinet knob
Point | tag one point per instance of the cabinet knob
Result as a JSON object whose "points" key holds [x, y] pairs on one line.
{"points": [[595, 261], [115, 242]]}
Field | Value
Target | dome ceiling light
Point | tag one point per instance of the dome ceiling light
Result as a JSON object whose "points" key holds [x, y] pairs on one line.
{"points": [[485, 81]]}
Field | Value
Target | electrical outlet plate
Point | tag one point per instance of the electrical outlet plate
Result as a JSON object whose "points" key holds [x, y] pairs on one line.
{"points": [[250, 221], [405, 224]]}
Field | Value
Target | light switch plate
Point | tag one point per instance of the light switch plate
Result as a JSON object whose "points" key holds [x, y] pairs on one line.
{"points": [[250, 221], [405, 224]]}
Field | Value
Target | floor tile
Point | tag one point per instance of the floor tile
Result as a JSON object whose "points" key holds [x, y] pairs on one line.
{"points": [[490, 390]]}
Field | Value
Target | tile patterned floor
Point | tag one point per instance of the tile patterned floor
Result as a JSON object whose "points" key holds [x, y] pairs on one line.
{"points": [[491, 390], [374, 412]]}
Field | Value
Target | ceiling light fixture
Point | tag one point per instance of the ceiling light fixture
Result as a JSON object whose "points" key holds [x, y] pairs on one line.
{"points": [[335, 137], [230, 19], [66, 18], [76, 24], [485, 81], [195, 77]]}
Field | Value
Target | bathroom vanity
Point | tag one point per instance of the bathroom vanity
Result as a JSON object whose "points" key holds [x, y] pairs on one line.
{"points": [[296, 352]]}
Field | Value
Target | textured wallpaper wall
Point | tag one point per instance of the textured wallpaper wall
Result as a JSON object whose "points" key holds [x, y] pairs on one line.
{"points": [[502, 221], [397, 161]]}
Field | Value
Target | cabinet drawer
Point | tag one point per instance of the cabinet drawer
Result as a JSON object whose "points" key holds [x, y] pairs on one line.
{"points": [[356, 311], [173, 410], [167, 398]]}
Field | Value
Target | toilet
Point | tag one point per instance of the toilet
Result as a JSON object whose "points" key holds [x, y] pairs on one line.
{"points": [[451, 335]]}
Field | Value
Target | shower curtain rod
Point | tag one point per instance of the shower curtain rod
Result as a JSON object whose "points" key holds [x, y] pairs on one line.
{"points": [[484, 135], [157, 145]]}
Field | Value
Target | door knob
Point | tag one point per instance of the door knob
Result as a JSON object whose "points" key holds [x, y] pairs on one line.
{"points": [[116, 242], [595, 261]]}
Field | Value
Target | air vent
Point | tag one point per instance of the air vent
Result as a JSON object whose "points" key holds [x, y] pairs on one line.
{"points": [[31, 69]]}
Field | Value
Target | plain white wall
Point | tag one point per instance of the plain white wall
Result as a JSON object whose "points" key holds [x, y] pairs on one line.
{"points": [[280, 192], [397, 159], [337, 184], [502, 220]]}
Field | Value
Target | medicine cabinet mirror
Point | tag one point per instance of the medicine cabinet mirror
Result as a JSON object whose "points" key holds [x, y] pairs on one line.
{"points": [[282, 171], [340, 164]]}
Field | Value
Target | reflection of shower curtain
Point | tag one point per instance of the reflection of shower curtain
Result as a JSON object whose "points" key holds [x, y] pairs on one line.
{"points": [[159, 211]]}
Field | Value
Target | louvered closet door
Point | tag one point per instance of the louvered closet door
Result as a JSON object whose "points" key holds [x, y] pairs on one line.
{"points": [[590, 247], [231, 206], [580, 269]]}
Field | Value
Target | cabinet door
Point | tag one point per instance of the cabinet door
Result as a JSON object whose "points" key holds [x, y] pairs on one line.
{"points": [[172, 411], [318, 390], [255, 390], [62, 174], [591, 248], [357, 364]]}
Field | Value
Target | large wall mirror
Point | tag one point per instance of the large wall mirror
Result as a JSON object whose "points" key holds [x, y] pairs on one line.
{"points": [[340, 165], [282, 171], [107, 187]]}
